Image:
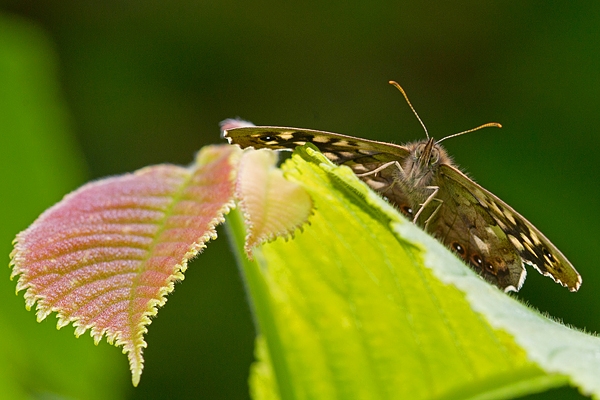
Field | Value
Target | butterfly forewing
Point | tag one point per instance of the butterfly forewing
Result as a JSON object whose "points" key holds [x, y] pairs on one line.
{"points": [[338, 148], [533, 247], [467, 227]]}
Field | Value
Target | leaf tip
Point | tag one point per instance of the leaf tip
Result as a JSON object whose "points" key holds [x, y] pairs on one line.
{"points": [[136, 362], [136, 376]]}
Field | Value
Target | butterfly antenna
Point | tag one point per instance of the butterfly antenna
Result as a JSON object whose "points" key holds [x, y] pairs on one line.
{"points": [[488, 125], [411, 106]]}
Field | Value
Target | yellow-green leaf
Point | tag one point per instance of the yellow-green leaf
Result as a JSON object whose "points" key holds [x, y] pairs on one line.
{"points": [[364, 305]]}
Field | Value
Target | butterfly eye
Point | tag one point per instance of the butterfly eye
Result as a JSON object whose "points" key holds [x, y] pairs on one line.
{"points": [[419, 151], [407, 210], [435, 156]]}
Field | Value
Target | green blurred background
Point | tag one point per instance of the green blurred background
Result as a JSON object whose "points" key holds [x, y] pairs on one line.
{"points": [[89, 89]]}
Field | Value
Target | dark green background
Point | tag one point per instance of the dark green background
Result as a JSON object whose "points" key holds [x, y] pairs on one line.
{"points": [[139, 83]]}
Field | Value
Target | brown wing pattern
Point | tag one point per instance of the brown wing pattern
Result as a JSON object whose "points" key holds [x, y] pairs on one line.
{"points": [[531, 245], [340, 149], [467, 227]]}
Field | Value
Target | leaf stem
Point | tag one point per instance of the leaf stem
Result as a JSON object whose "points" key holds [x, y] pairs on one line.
{"points": [[261, 304]]}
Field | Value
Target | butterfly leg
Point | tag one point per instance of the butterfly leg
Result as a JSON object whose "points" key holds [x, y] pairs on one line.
{"points": [[381, 168], [430, 218], [429, 199]]}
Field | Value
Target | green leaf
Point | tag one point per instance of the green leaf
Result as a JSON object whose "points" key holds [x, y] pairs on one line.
{"points": [[364, 305]]}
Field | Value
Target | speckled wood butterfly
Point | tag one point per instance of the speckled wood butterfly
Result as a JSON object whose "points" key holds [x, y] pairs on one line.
{"points": [[421, 180]]}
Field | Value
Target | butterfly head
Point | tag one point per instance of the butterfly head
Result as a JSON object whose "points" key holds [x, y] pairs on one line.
{"points": [[423, 161], [427, 154]]}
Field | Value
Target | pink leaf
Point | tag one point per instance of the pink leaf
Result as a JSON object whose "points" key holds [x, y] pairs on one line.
{"points": [[106, 256], [272, 205]]}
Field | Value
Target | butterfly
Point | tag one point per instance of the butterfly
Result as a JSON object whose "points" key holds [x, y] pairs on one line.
{"points": [[424, 184]]}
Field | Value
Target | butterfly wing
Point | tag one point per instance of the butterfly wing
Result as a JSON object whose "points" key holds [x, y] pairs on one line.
{"points": [[340, 149], [530, 244], [466, 227], [361, 155]]}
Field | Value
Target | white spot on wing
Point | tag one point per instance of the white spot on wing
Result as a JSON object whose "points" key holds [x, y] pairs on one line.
{"points": [[515, 242], [495, 207], [529, 248], [332, 156], [527, 241], [481, 245], [510, 217], [346, 154], [535, 238]]}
